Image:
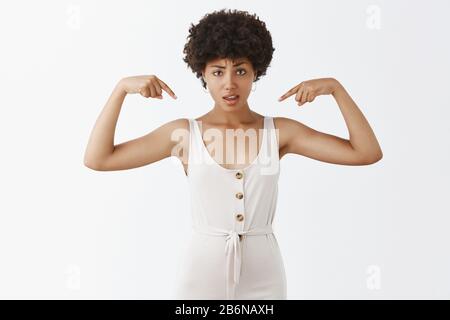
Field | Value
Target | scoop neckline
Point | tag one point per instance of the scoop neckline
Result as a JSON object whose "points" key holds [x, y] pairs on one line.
{"points": [[227, 169]]}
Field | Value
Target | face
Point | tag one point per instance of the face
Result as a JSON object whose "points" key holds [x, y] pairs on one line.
{"points": [[225, 77]]}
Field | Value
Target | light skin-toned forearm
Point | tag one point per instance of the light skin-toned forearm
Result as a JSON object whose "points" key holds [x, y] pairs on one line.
{"points": [[101, 141], [362, 138]]}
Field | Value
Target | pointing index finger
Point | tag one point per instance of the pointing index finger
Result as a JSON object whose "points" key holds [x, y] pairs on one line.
{"points": [[167, 89], [287, 94]]}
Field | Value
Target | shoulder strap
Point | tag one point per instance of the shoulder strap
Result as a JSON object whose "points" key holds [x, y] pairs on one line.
{"points": [[194, 147], [273, 135]]}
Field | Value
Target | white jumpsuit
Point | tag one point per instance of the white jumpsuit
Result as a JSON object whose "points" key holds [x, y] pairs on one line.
{"points": [[233, 252]]}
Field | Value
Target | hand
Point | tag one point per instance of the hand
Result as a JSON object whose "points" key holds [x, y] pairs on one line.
{"points": [[308, 90], [147, 86]]}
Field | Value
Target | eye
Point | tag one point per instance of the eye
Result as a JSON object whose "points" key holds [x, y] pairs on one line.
{"points": [[214, 73]]}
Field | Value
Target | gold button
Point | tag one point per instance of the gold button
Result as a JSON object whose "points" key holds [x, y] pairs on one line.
{"points": [[239, 195], [239, 175], [239, 217]]}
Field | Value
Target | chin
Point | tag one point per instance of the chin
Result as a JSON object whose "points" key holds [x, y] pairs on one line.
{"points": [[228, 108]]}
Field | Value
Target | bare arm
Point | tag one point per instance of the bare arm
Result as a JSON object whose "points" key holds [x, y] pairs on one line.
{"points": [[361, 149], [362, 137], [101, 141], [101, 153]]}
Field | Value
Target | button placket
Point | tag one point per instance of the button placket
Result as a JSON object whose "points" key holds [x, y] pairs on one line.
{"points": [[239, 214]]}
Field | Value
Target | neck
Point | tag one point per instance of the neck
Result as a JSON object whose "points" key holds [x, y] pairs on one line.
{"points": [[233, 117]]}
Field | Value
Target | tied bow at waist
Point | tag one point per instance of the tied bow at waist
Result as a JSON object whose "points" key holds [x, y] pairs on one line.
{"points": [[233, 250]]}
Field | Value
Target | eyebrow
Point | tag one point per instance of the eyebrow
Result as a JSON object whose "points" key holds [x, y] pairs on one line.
{"points": [[237, 64]]}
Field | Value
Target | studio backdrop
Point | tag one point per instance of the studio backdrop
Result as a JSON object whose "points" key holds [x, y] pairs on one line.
{"points": [[345, 232]]}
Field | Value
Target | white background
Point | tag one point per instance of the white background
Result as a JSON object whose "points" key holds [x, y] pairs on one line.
{"points": [[361, 232]]}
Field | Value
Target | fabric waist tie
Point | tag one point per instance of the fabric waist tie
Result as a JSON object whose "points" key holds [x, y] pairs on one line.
{"points": [[233, 250]]}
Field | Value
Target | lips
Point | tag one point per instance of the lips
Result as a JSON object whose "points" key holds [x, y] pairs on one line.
{"points": [[231, 102], [230, 95]]}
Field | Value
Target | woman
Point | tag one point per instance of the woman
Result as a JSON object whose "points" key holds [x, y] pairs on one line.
{"points": [[233, 252]]}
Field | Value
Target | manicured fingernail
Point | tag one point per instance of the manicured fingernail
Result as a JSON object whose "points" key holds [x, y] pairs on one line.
{"points": [[175, 96]]}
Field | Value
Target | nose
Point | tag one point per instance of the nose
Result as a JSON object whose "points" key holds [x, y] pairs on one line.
{"points": [[229, 81]]}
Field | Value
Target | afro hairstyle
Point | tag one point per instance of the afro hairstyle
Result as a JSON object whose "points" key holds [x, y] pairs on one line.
{"points": [[231, 34]]}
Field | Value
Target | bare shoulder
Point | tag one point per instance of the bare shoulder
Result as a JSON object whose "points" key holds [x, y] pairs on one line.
{"points": [[285, 127], [291, 131], [175, 131], [281, 123], [180, 123], [284, 122], [179, 128]]}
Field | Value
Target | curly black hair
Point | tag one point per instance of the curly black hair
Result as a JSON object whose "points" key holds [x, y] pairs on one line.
{"points": [[231, 34]]}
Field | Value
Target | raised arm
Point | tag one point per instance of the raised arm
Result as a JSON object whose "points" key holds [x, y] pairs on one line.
{"points": [[361, 149], [101, 154]]}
